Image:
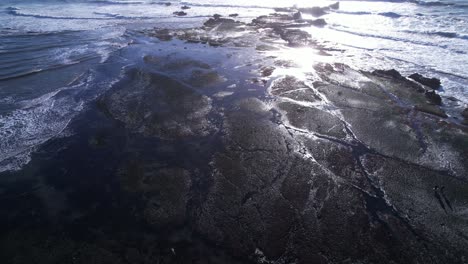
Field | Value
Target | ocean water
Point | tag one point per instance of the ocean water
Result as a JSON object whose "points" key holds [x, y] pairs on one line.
{"points": [[55, 54]]}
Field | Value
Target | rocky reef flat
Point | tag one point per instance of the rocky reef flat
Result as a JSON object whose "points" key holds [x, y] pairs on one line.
{"points": [[244, 142]]}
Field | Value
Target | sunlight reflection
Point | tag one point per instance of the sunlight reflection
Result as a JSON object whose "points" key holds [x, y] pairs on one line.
{"points": [[302, 61]]}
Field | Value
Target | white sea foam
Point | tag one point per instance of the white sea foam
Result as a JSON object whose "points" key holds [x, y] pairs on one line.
{"points": [[36, 122], [43, 118]]}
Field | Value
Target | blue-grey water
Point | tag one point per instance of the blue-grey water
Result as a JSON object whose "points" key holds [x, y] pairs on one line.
{"points": [[50, 51]]}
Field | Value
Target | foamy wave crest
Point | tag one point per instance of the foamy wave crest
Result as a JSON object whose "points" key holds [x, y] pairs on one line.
{"points": [[40, 120], [387, 37], [17, 12], [43, 53], [36, 122]]}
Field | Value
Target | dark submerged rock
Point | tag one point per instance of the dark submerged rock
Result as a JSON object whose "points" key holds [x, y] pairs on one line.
{"points": [[166, 189], [180, 13], [159, 106], [185, 7], [432, 83], [318, 22]]}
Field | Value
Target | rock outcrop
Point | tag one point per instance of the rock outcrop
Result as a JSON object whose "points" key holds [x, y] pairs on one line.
{"points": [[432, 83]]}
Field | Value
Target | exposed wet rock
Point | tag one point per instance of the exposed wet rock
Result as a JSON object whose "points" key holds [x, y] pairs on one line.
{"points": [[267, 71], [222, 24], [390, 73], [335, 6], [446, 147], [281, 21], [180, 13], [156, 105], [264, 47], [382, 105], [465, 113], [340, 160], [185, 7], [393, 76], [291, 87], [193, 72], [324, 53], [238, 184], [233, 15], [431, 110], [273, 20], [285, 64], [165, 3], [433, 97], [318, 22], [218, 31], [297, 16], [400, 139], [313, 120], [162, 34], [294, 37], [290, 207], [432, 83], [431, 191]]}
